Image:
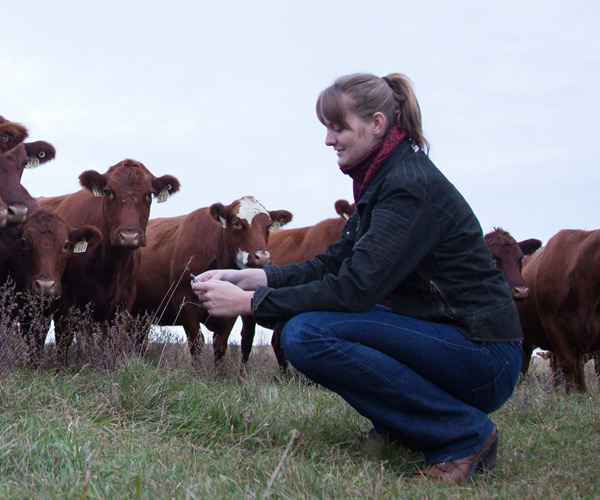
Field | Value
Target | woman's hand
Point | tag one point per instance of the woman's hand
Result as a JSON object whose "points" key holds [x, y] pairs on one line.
{"points": [[246, 279], [222, 298]]}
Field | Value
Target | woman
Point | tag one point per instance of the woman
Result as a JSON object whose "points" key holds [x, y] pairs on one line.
{"points": [[427, 370]]}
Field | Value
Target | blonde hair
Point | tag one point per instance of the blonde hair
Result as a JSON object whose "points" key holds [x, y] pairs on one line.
{"points": [[367, 94]]}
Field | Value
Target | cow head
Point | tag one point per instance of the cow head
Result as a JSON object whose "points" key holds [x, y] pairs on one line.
{"points": [[13, 160], [11, 135], [508, 257], [46, 241], [126, 190], [246, 226]]}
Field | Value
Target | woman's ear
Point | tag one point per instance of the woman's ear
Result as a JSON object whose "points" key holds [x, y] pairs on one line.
{"points": [[379, 123]]}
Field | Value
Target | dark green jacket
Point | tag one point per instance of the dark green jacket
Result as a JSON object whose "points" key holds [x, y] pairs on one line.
{"points": [[413, 239]]}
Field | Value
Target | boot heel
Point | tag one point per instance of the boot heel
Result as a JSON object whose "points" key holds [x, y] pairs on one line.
{"points": [[488, 456]]}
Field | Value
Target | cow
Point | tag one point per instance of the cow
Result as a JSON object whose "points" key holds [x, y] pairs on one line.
{"points": [[16, 200], [291, 246], [561, 314], [508, 256], [118, 204], [45, 242], [215, 237]]}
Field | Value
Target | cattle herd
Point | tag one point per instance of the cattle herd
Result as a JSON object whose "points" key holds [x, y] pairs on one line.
{"points": [[98, 248]]}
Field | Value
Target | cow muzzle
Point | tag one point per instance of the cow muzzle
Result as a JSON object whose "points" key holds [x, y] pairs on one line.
{"points": [[17, 213], [259, 258], [47, 287], [131, 239], [520, 292]]}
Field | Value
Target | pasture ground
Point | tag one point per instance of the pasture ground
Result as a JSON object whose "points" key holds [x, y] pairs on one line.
{"points": [[154, 428]]}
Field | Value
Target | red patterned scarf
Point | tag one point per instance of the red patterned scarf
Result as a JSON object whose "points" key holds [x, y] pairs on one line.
{"points": [[365, 169]]}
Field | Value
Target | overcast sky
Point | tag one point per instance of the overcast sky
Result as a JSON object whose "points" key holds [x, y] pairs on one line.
{"points": [[222, 96]]}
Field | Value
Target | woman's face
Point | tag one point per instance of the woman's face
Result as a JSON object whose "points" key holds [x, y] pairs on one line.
{"points": [[353, 142]]}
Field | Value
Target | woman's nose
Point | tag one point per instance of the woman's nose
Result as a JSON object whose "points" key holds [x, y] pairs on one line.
{"points": [[329, 139]]}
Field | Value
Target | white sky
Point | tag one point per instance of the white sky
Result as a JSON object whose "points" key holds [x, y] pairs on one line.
{"points": [[222, 96]]}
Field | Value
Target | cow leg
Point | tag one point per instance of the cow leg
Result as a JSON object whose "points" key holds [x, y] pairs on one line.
{"points": [[596, 357], [248, 332], [190, 321], [279, 354], [527, 352], [580, 373], [220, 338], [64, 337]]}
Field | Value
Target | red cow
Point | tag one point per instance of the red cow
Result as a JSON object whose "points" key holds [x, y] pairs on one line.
{"points": [[45, 242], [118, 203], [562, 314], [16, 201], [291, 246], [217, 237]]}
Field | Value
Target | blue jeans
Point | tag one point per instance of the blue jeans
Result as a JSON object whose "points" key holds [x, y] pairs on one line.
{"points": [[425, 384]]}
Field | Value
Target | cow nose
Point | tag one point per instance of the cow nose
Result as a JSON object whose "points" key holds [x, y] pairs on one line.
{"points": [[46, 286], [17, 212], [520, 292], [129, 238], [262, 257]]}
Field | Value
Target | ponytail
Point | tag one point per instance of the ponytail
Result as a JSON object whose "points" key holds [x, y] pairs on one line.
{"points": [[408, 114]]}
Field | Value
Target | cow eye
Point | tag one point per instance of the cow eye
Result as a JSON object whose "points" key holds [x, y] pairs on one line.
{"points": [[67, 245], [106, 192]]}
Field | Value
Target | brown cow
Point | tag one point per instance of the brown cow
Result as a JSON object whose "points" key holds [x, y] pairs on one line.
{"points": [[45, 243], [217, 237], [508, 255], [291, 246], [561, 314], [17, 202], [118, 203]]}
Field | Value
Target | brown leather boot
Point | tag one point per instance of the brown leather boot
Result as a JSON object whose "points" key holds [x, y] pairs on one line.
{"points": [[462, 470]]}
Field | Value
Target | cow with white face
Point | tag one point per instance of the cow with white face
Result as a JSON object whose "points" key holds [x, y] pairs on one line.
{"points": [[215, 237]]}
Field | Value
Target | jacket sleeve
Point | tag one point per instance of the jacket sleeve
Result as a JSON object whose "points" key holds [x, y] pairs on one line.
{"points": [[316, 268], [402, 230]]}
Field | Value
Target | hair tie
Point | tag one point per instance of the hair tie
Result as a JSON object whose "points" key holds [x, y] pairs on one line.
{"points": [[387, 80]]}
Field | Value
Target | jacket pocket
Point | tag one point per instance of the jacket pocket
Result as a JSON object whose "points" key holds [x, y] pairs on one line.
{"points": [[447, 310]]}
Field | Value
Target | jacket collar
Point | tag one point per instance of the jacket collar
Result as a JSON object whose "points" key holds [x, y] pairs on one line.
{"points": [[404, 149]]}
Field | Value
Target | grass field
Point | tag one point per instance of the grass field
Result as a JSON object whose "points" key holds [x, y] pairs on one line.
{"points": [[155, 428]]}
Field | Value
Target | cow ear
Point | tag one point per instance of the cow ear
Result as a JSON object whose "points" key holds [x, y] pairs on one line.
{"points": [[529, 246], [343, 208], [92, 181], [39, 152], [279, 218], [219, 212], [164, 186], [85, 238], [11, 135]]}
